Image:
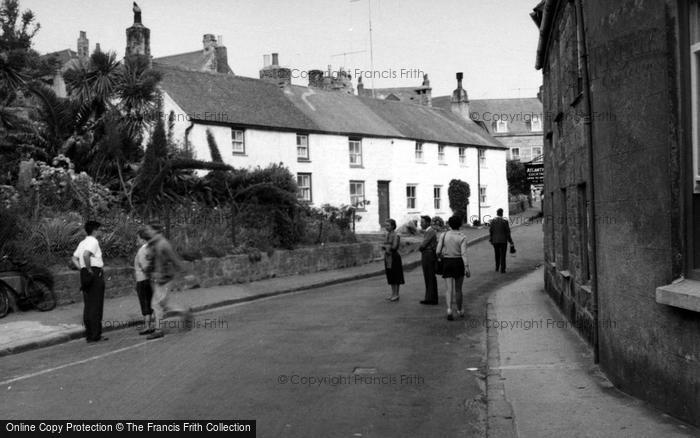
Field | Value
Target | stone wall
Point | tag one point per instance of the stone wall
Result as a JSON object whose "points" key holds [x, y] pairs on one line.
{"points": [[647, 349], [234, 269]]}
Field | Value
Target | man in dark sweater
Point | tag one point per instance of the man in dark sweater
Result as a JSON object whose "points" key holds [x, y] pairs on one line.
{"points": [[499, 236]]}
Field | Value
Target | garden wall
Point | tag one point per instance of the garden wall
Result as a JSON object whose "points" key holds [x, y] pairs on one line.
{"points": [[234, 269]]}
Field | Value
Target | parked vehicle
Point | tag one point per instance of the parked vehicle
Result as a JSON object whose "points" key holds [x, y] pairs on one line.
{"points": [[35, 290]]}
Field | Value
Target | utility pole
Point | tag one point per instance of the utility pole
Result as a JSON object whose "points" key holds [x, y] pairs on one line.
{"points": [[371, 45], [371, 51]]}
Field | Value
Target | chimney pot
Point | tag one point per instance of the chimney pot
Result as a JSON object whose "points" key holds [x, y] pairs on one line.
{"points": [[275, 59], [266, 60]]}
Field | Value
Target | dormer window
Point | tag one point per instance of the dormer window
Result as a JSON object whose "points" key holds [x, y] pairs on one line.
{"points": [[535, 124], [501, 126]]}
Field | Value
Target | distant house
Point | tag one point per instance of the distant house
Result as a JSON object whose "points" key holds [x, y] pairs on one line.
{"points": [[515, 122], [63, 58], [421, 94]]}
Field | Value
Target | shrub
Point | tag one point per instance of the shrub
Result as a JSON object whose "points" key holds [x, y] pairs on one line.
{"points": [[57, 186], [458, 193], [9, 198]]}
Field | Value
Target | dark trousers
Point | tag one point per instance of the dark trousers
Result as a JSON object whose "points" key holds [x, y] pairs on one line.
{"points": [[500, 250], [428, 264], [93, 297]]}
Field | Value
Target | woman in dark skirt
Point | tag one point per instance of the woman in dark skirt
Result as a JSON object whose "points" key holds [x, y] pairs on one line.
{"points": [[453, 246], [393, 265]]}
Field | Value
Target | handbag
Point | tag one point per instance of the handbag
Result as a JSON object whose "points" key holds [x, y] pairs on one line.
{"points": [[439, 259], [512, 249]]}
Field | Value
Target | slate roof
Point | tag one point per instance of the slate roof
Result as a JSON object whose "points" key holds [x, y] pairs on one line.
{"points": [[517, 111], [243, 101], [256, 103], [197, 60], [62, 56]]}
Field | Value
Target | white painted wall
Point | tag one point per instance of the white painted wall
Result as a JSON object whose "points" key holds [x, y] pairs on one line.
{"points": [[391, 160]]}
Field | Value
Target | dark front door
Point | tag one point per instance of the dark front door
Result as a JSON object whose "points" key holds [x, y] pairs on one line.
{"points": [[383, 194]]}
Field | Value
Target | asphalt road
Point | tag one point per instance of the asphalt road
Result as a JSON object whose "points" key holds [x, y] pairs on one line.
{"points": [[332, 362]]}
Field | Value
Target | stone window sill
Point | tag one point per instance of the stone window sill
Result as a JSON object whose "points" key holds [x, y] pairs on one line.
{"points": [[565, 273], [684, 294]]}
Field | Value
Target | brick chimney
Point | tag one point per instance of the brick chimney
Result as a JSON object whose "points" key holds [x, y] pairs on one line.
{"points": [[83, 46], [459, 102], [138, 37], [281, 76]]}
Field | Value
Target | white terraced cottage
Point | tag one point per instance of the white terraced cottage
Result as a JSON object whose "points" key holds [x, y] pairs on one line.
{"points": [[343, 148]]}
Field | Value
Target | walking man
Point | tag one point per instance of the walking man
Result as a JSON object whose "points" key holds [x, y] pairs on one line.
{"points": [[427, 250], [164, 265], [499, 236], [88, 258]]}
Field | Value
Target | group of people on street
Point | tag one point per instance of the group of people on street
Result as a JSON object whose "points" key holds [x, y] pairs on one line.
{"points": [[444, 255], [156, 266]]}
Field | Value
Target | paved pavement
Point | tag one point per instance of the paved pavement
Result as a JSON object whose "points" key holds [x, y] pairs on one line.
{"points": [[542, 381]]}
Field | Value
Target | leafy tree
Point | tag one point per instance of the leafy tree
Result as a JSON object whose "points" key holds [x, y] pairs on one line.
{"points": [[459, 192], [20, 67], [16, 56], [517, 178]]}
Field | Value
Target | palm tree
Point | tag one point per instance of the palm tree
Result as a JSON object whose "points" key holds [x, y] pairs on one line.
{"points": [[91, 84], [138, 94]]}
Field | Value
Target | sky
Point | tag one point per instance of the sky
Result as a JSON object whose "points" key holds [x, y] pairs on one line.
{"points": [[492, 41]]}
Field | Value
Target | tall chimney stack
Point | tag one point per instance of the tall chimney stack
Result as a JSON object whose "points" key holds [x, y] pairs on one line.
{"points": [[83, 46], [138, 38], [459, 102]]}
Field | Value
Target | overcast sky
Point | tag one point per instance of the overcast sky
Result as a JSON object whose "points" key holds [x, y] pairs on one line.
{"points": [[493, 42]]}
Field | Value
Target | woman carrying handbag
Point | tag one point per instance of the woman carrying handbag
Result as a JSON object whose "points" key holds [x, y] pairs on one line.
{"points": [[452, 248]]}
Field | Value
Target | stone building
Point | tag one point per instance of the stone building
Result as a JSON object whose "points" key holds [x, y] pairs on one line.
{"points": [[622, 188]]}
